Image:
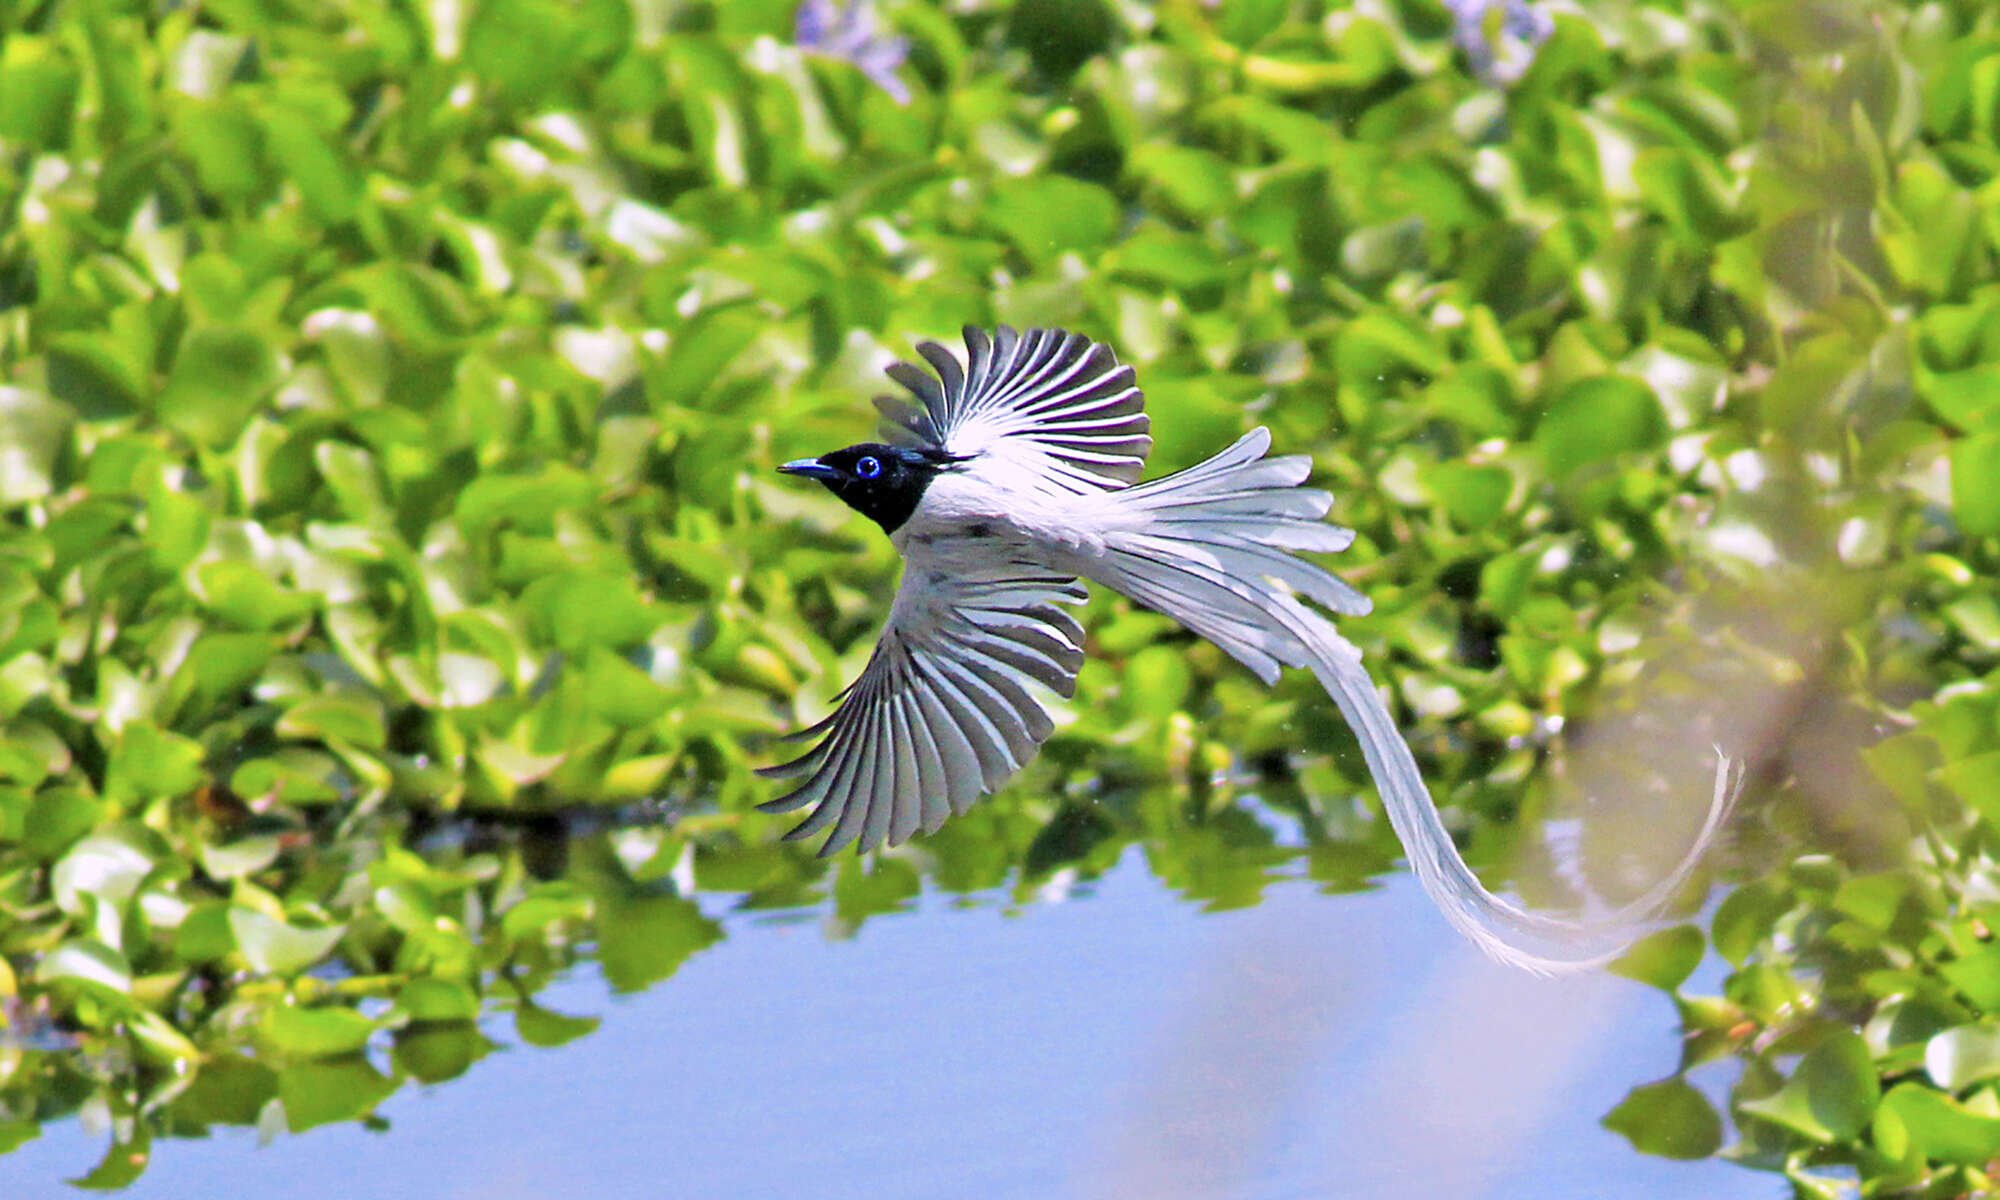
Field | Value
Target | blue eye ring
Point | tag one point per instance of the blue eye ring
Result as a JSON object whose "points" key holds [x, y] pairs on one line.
{"points": [[868, 467]]}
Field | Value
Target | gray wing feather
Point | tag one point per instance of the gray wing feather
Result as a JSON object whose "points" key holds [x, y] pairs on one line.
{"points": [[946, 709]]}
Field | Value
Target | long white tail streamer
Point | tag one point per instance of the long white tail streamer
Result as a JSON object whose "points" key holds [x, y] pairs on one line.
{"points": [[1206, 547]]}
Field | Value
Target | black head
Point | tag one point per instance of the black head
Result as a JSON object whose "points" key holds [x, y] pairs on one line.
{"points": [[882, 483]]}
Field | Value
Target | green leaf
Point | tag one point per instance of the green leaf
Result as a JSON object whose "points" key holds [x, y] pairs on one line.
{"points": [[104, 868], [539, 1026], [313, 1032], [315, 163], [122, 1164], [245, 595], [33, 432], [1975, 484], [1474, 495], [1961, 1057], [1669, 1118], [578, 610], [1746, 916], [1832, 1095], [274, 947], [219, 377], [1595, 420], [1977, 977], [620, 692], [1046, 216], [86, 961], [1664, 959], [429, 999], [436, 1053], [150, 761], [242, 857], [38, 88], [326, 1091], [642, 941], [1937, 1127], [347, 719]]}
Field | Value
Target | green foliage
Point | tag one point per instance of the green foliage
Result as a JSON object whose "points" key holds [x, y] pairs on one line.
{"points": [[394, 592]]}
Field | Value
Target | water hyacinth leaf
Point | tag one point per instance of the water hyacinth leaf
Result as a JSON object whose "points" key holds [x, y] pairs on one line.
{"points": [[83, 960], [545, 905], [1936, 1127], [295, 775], [700, 354], [244, 856], [1746, 917], [1474, 495], [313, 162], [436, 1053], [297, 1032], [218, 666], [427, 998], [1047, 215], [579, 610], [644, 940], [1598, 419], [150, 761], [526, 501], [33, 431], [1664, 959], [323, 1092], [1832, 1094], [56, 818], [220, 376], [355, 720], [274, 947], [230, 1089], [1975, 496], [246, 596], [1977, 977], [544, 1027], [521, 47], [123, 1162], [104, 868], [159, 1040], [1669, 1118], [1195, 183], [620, 692], [38, 87], [1961, 1057]]}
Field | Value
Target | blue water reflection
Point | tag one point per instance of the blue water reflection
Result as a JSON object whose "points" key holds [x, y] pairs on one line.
{"points": [[1121, 1044]]}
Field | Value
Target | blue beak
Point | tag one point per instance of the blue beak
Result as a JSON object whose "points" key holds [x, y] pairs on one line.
{"points": [[810, 467]]}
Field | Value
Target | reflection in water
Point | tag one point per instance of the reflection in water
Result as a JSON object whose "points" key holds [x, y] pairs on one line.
{"points": [[1084, 1049]]}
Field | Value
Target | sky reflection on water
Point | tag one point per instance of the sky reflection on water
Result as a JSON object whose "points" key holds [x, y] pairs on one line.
{"points": [[1124, 1044]]}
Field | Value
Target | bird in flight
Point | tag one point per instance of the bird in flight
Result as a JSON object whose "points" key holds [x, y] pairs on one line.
{"points": [[1015, 474]]}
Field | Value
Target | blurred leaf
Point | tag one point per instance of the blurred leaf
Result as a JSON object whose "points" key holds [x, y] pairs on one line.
{"points": [[274, 947], [644, 940], [1664, 959], [1831, 1096], [314, 1032], [1669, 1118], [1595, 420]]}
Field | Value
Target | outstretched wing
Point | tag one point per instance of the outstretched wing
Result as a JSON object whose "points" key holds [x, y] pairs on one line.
{"points": [[1056, 403], [944, 711]]}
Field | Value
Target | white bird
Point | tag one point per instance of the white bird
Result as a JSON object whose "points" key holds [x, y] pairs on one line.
{"points": [[1015, 474]]}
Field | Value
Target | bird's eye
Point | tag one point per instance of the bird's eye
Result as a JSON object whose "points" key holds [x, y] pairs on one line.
{"points": [[868, 467]]}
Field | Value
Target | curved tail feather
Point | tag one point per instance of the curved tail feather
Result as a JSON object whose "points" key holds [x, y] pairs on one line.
{"points": [[1183, 545]]}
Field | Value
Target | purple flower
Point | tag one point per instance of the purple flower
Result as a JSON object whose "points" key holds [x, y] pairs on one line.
{"points": [[1499, 37], [847, 32]]}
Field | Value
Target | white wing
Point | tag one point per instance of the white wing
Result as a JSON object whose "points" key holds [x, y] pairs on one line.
{"points": [[1056, 403], [944, 712]]}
